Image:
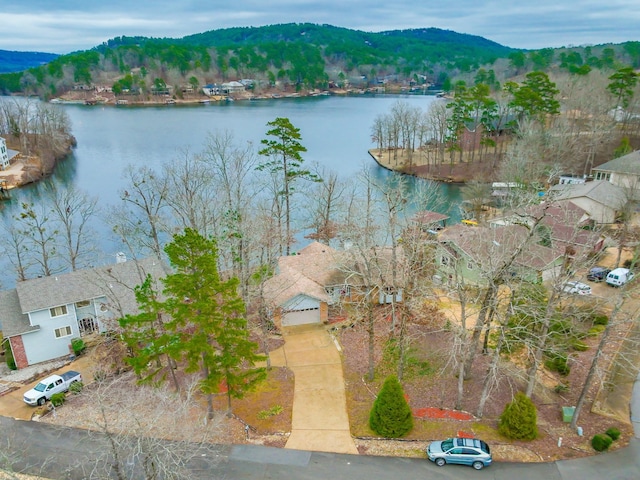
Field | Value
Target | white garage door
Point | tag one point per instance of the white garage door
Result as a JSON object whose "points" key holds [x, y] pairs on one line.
{"points": [[301, 317]]}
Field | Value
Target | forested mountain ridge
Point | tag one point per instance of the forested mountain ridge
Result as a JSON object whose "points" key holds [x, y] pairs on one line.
{"points": [[307, 55], [12, 61], [302, 56]]}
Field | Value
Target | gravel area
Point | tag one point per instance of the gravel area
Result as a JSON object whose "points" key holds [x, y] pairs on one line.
{"points": [[25, 375]]}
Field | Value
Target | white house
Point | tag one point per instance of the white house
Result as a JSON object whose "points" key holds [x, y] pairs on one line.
{"points": [[232, 87], [4, 154], [41, 316], [624, 172], [211, 89]]}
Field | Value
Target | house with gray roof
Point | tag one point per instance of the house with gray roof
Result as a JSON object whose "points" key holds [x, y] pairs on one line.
{"points": [[600, 199], [41, 316], [624, 172]]}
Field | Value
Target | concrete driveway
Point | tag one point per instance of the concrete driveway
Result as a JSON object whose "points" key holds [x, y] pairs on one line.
{"points": [[12, 405], [320, 421]]}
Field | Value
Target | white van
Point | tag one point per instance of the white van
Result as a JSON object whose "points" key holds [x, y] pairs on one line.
{"points": [[619, 277]]}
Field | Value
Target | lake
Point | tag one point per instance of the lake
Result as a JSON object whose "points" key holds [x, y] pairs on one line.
{"points": [[336, 130]]}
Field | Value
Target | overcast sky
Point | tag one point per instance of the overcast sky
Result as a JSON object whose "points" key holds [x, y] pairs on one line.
{"points": [[63, 26]]}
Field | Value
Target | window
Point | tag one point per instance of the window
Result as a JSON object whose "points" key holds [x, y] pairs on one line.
{"points": [[470, 265], [83, 303], [446, 261], [63, 331], [58, 311]]}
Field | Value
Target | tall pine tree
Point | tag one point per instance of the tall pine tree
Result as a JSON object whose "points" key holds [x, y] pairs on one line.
{"points": [[208, 313], [200, 324]]}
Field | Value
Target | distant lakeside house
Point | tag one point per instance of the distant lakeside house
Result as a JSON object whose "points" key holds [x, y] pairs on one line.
{"points": [[6, 154], [41, 316]]}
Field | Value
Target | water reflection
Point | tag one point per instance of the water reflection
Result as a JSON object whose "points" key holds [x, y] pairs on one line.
{"points": [[335, 130]]}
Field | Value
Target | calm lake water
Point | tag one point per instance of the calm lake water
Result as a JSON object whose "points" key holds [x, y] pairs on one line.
{"points": [[335, 130]]}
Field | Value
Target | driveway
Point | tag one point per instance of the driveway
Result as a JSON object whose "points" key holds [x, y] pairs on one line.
{"points": [[12, 405], [320, 421]]}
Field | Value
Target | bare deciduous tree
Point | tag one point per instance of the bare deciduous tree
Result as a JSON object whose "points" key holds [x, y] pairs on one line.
{"points": [[141, 442], [73, 210]]}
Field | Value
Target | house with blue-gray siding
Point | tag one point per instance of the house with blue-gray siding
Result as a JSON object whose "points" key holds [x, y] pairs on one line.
{"points": [[41, 316]]}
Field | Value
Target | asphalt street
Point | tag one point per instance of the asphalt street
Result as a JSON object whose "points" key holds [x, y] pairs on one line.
{"points": [[65, 453]]}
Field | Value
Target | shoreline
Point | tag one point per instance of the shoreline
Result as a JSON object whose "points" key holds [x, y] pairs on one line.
{"points": [[439, 176], [107, 98]]}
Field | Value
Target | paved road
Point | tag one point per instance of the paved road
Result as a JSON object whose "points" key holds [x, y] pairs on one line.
{"points": [[68, 453]]}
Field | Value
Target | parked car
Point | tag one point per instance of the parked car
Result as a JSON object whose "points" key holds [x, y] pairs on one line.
{"points": [[463, 451], [577, 288], [598, 274], [43, 391], [619, 276]]}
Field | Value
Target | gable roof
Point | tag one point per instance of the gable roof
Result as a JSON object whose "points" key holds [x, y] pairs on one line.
{"points": [[305, 273], [629, 163], [427, 217], [493, 246], [116, 282], [600, 191], [14, 322]]}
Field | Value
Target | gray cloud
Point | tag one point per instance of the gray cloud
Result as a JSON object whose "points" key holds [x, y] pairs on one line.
{"points": [[68, 25]]}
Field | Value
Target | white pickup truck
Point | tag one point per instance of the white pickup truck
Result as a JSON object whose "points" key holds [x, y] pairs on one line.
{"points": [[42, 392]]}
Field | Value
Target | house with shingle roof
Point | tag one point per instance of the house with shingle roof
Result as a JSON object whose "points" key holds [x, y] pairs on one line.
{"points": [[317, 277], [304, 286], [41, 316], [600, 199], [474, 254], [623, 172]]}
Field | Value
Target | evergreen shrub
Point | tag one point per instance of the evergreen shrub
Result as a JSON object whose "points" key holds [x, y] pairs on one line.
{"points": [[561, 388], [78, 346], [519, 419], [614, 433], [580, 346], [76, 387], [558, 363], [600, 442], [600, 319], [57, 399], [391, 415], [8, 354]]}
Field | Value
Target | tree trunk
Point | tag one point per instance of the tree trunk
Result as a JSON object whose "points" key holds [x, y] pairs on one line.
{"points": [[487, 302], [372, 338], [490, 378], [539, 348], [594, 366]]}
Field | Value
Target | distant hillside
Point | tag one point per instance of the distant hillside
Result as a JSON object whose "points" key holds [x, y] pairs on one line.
{"points": [[302, 56], [11, 61]]}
